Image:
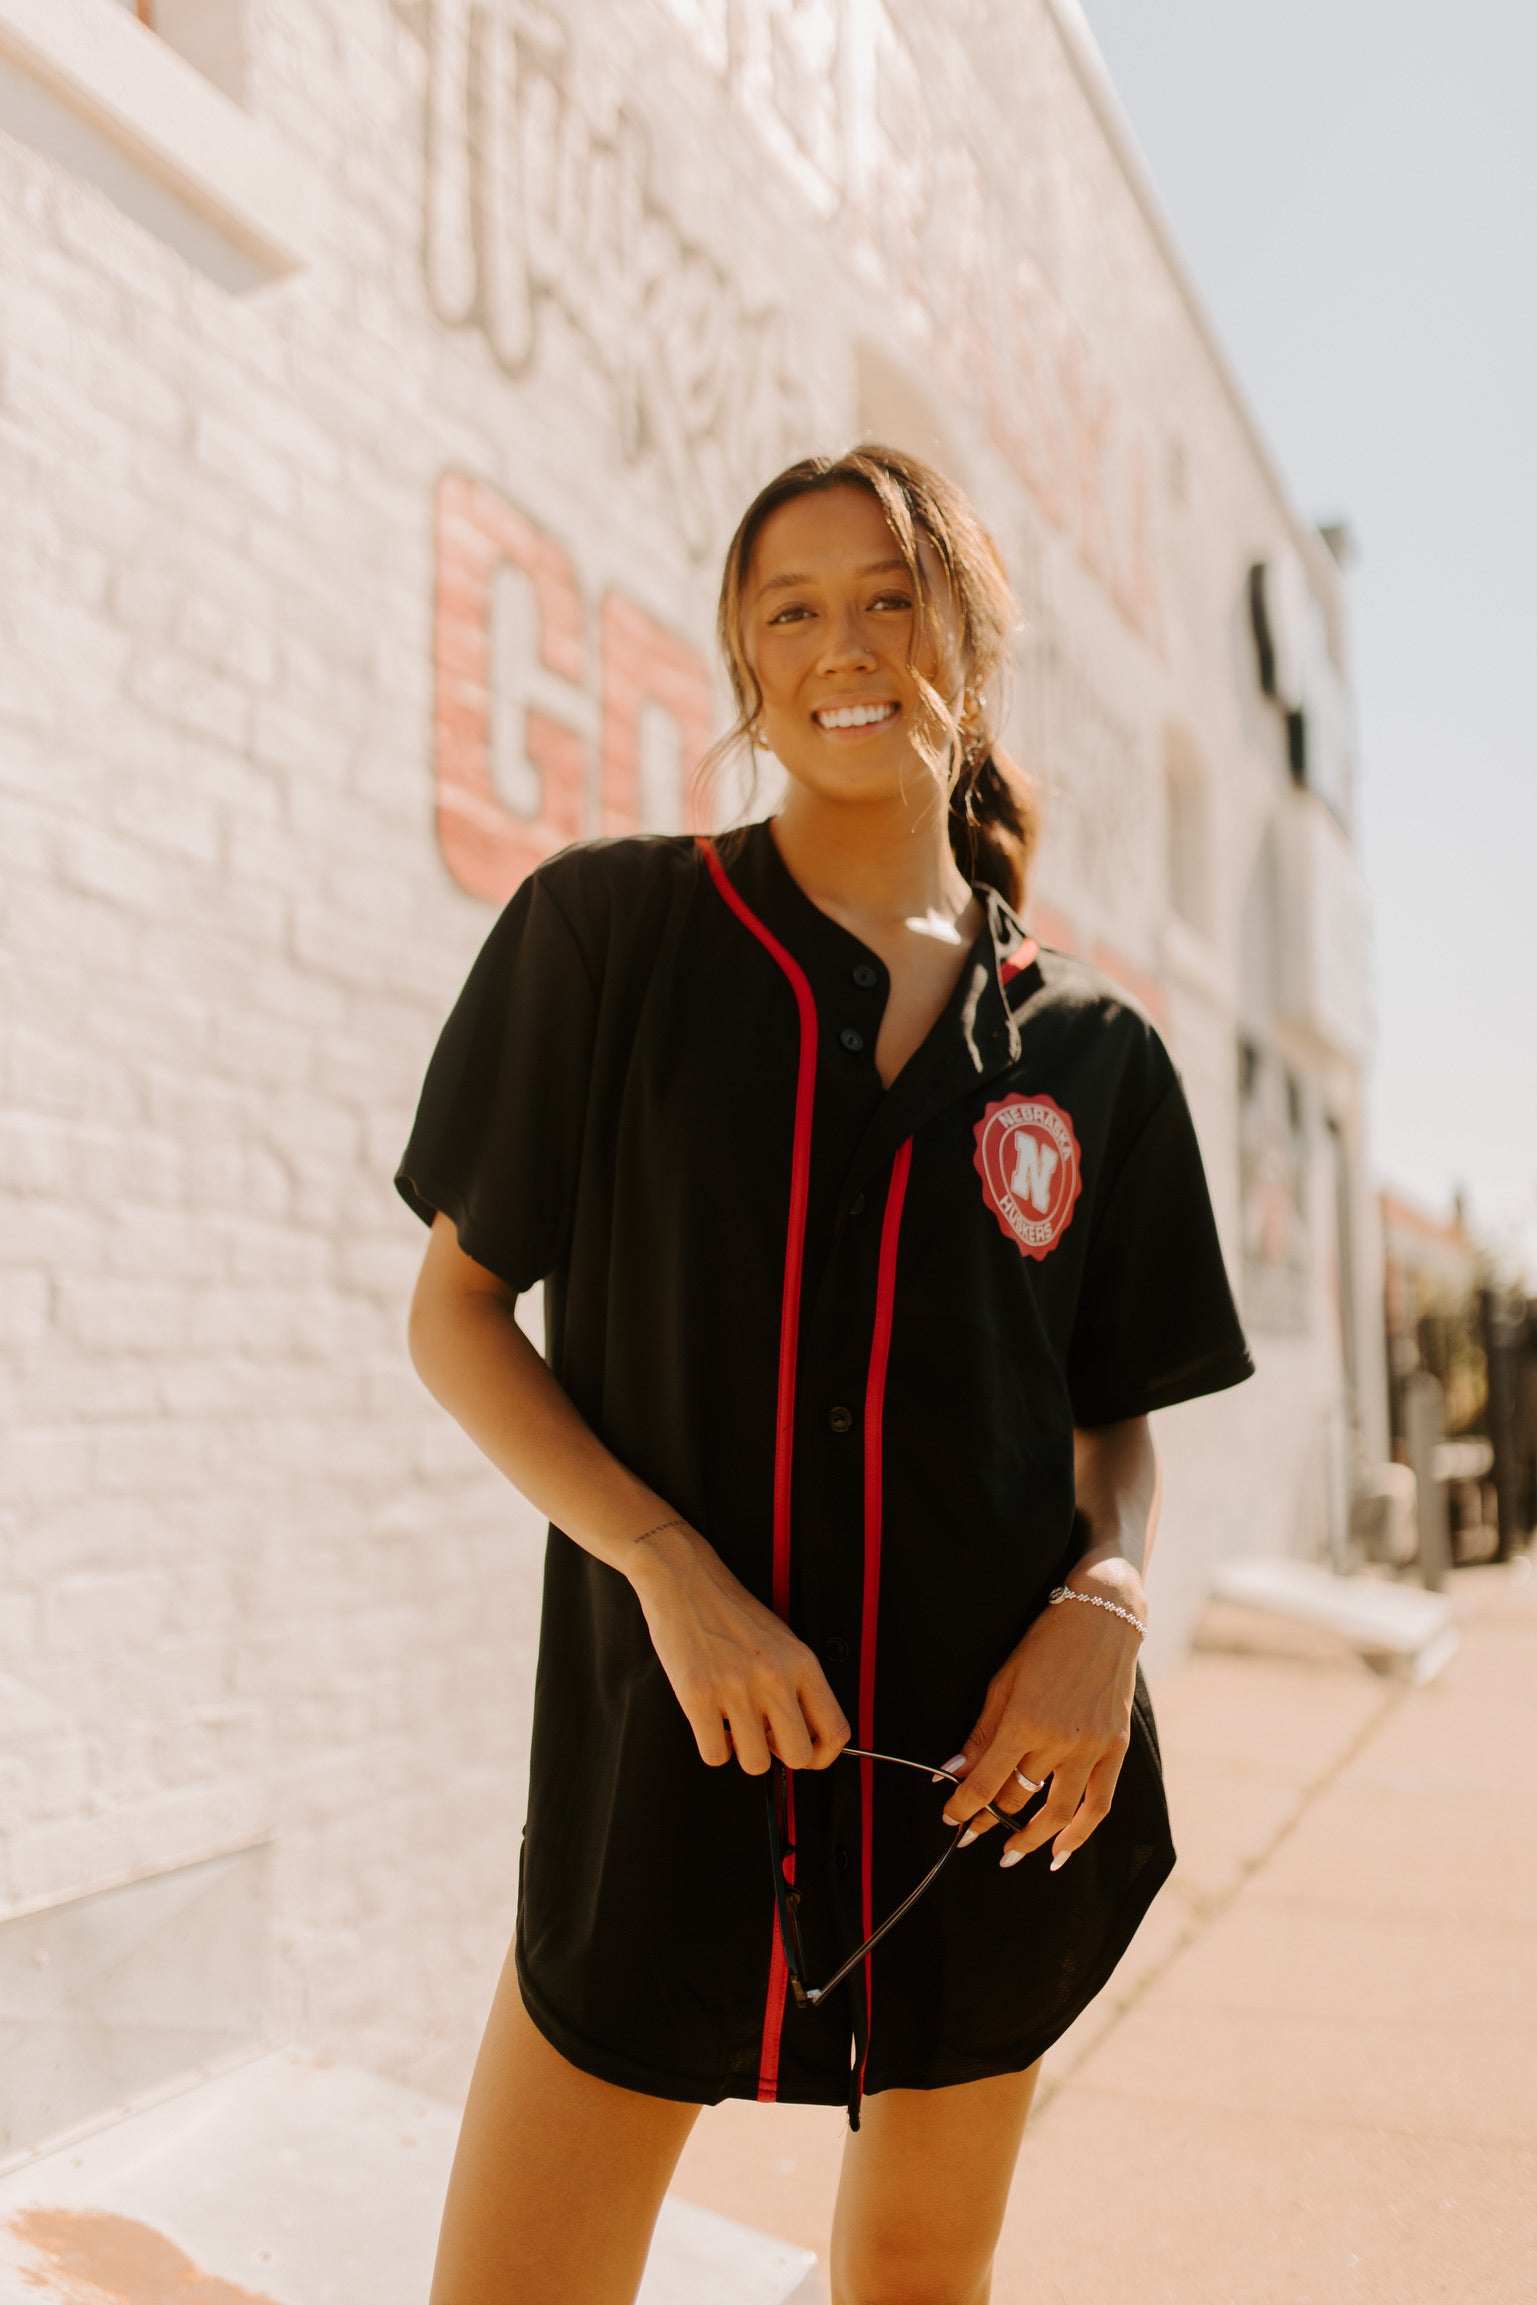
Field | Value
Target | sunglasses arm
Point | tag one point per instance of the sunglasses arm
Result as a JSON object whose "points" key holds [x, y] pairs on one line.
{"points": [[807, 1996], [939, 1776]]}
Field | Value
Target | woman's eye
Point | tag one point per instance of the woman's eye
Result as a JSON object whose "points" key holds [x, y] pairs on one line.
{"points": [[797, 611]]}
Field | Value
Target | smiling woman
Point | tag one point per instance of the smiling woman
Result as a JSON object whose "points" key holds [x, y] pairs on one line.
{"points": [[854, 1207], [905, 576]]}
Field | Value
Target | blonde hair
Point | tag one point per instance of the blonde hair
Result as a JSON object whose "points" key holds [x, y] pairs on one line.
{"points": [[993, 821]]}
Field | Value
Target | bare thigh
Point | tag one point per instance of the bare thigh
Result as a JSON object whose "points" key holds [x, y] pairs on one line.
{"points": [[925, 2183], [557, 2179]]}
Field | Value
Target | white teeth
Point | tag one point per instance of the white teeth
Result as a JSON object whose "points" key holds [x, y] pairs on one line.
{"points": [[853, 715]]}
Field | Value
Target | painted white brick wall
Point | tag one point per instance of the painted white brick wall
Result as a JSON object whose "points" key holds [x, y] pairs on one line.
{"points": [[252, 1583]]}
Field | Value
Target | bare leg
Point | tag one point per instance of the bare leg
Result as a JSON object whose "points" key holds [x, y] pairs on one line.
{"points": [[557, 2179], [924, 2187]]}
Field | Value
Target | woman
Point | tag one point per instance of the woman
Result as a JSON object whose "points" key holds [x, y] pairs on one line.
{"points": [[870, 1236]]}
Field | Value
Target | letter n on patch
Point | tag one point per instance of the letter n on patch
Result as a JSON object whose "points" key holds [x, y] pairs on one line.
{"points": [[1031, 1169]]}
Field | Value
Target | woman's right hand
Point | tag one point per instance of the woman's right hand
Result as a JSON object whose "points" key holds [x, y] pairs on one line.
{"points": [[746, 1683]]}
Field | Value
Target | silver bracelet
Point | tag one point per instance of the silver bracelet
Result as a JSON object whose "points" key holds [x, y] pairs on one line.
{"points": [[1093, 1601]]}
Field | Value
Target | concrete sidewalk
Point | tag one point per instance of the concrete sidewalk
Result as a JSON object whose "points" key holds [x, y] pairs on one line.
{"points": [[1314, 2078]]}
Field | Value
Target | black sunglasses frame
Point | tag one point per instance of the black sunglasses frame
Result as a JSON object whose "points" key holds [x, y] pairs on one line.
{"points": [[787, 1899]]}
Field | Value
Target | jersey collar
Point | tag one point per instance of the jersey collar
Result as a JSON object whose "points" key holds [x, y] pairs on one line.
{"points": [[977, 1036]]}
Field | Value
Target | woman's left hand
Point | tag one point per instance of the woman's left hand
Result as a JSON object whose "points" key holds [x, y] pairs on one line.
{"points": [[1059, 1707]]}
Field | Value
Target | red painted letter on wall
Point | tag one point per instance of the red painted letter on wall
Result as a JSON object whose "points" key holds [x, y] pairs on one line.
{"points": [[644, 663], [487, 846]]}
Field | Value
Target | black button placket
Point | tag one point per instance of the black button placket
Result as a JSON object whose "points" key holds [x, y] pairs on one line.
{"points": [[839, 1310], [856, 1038], [851, 996], [838, 1303]]}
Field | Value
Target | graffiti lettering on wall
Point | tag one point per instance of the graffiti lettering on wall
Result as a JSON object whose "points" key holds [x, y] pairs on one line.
{"points": [[835, 92], [530, 203], [514, 717]]}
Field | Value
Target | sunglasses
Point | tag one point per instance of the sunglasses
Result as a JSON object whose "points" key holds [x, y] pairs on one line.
{"points": [[780, 1797]]}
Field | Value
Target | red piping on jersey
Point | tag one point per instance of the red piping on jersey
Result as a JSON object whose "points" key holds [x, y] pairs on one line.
{"points": [[789, 1345], [1018, 961], [875, 1417]]}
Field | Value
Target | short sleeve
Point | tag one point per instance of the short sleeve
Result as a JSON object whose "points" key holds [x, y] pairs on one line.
{"points": [[1156, 1322], [497, 1140]]}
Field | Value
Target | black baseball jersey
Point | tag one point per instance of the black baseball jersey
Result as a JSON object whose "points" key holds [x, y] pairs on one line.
{"points": [[847, 1331]]}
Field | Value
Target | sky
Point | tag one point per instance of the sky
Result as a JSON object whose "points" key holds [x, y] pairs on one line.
{"points": [[1353, 184]]}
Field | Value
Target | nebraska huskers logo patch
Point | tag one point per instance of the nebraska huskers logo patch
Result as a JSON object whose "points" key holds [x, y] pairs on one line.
{"points": [[1027, 1157]]}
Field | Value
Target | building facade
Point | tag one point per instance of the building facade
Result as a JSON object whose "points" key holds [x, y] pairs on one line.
{"points": [[379, 383]]}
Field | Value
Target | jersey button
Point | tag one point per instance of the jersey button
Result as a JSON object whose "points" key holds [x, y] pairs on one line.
{"points": [[857, 1205], [853, 1041], [836, 1649], [840, 1419], [841, 1858], [865, 976]]}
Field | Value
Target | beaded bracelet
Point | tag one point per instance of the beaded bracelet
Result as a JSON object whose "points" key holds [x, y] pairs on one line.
{"points": [[1093, 1601]]}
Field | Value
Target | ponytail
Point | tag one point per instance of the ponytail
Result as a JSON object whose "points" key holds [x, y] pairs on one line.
{"points": [[994, 824]]}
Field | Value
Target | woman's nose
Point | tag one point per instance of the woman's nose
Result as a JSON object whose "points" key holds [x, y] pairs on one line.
{"points": [[848, 645]]}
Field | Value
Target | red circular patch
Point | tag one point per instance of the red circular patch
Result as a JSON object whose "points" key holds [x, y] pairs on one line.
{"points": [[1032, 1173]]}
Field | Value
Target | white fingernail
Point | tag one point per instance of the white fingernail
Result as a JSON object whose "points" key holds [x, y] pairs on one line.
{"points": [[956, 1761], [1009, 1857], [968, 1837], [1058, 1862]]}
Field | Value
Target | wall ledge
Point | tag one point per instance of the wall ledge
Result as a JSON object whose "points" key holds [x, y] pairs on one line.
{"points": [[86, 83]]}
